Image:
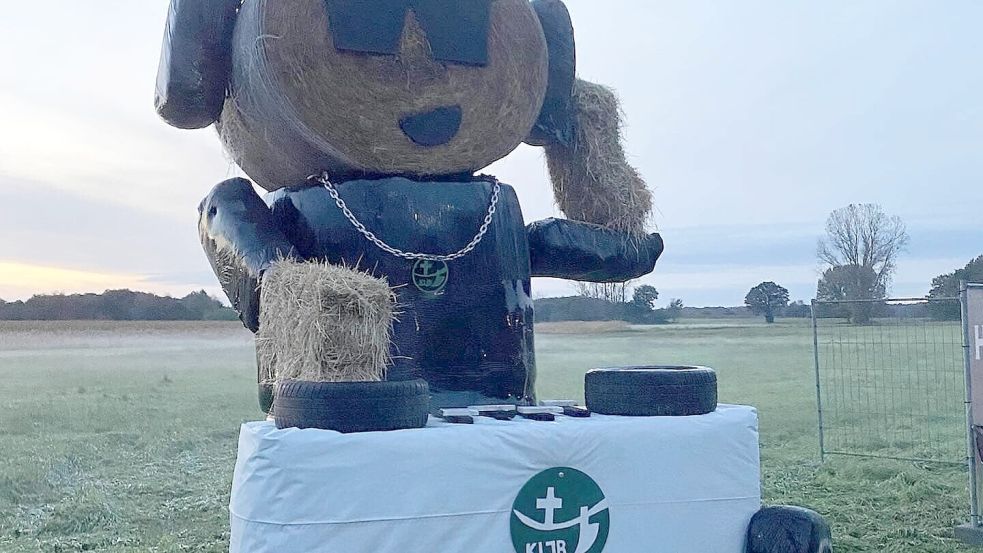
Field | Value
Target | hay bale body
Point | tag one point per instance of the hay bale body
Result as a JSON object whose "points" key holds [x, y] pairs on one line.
{"points": [[323, 323], [298, 105]]}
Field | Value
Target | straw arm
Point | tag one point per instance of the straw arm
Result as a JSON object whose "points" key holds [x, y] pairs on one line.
{"points": [[241, 243], [562, 248]]}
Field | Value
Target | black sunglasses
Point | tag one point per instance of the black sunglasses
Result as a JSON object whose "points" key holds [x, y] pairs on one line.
{"points": [[457, 29]]}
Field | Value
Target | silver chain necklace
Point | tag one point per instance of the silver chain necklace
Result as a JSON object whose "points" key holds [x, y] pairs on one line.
{"points": [[371, 237]]}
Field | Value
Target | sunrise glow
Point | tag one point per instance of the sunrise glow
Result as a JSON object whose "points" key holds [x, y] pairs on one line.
{"points": [[19, 281]]}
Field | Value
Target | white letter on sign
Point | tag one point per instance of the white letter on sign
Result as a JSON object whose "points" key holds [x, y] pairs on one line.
{"points": [[979, 342]]}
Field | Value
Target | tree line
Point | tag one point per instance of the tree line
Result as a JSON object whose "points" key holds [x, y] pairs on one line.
{"points": [[609, 302], [117, 305], [858, 254], [947, 286], [858, 257], [859, 251]]}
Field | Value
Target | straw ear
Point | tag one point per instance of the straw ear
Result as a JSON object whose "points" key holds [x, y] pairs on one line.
{"points": [[556, 124], [580, 127], [592, 179], [195, 62]]}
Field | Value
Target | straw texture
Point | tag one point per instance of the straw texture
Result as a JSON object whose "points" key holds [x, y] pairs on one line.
{"points": [[324, 323]]}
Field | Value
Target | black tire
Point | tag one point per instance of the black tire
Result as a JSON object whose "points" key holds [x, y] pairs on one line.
{"points": [[352, 406], [651, 391], [788, 530]]}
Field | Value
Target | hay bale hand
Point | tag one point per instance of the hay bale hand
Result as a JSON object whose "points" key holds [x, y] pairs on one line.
{"points": [[393, 106]]}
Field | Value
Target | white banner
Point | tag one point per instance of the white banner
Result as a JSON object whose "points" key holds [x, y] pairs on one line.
{"points": [[974, 318], [611, 484]]}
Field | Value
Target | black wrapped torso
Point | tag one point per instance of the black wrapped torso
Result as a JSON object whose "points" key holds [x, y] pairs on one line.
{"points": [[472, 339], [467, 327]]}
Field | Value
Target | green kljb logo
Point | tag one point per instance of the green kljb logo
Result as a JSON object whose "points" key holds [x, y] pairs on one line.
{"points": [[430, 276], [560, 510]]}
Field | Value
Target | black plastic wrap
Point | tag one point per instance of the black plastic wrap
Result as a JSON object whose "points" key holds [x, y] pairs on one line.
{"points": [[573, 250], [783, 529], [473, 340], [467, 331], [241, 242], [195, 62], [457, 31], [555, 122]]}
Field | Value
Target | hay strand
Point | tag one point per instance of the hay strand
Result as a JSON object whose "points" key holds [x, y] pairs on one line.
{"points": [[592, 179], [324, 323]]}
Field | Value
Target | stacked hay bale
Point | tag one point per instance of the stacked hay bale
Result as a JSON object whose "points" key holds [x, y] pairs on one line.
{"points": [[324, 323], [324, 337]]}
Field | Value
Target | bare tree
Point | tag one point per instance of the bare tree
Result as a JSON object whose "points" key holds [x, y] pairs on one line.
{"points": [[863, 236], [675, 309], [614, 292]]}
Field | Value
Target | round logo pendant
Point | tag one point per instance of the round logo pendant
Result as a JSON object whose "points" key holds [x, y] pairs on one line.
{"points": [[560, 510], [430, 276]]}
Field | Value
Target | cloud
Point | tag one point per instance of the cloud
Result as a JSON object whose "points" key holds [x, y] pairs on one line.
{"points": [[749, 123], [35, 278], [71, 232], [134, 163]]}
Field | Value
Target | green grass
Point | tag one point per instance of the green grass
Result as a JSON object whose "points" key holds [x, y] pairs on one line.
{"points": [[122, 437]]}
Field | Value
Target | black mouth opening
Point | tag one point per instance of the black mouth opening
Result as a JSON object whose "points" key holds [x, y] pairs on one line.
{"points": [[432, 128]]}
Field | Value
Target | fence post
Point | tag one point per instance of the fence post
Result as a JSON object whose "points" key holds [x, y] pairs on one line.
{"points": [[974, 513], [819, 396]]}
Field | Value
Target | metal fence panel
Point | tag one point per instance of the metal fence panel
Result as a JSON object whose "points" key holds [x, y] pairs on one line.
{"points": [[890, 379]]}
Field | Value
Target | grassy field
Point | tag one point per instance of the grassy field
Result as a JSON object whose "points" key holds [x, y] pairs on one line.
{"points": [[121, 437]]}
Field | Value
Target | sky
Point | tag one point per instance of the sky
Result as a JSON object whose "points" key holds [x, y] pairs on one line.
{"points": [[750, 121]]}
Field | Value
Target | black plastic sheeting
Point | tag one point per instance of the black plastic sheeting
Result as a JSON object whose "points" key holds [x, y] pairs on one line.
{"points": [[195, 62], [472, 341], [573, 250], [241, 242], [457, 31], [785, 529], [978, 430], [555, 123], [467, 327], [433, 128]]}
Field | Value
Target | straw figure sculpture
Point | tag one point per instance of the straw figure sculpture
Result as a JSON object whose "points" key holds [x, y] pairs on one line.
{"points": [[368, 123]]}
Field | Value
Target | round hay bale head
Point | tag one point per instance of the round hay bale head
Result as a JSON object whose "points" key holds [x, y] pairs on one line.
{"points": [[299, 105]]}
